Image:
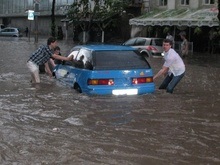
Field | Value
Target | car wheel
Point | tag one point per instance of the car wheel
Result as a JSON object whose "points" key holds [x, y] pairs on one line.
{"points": [[77, 88], [145, 54]]}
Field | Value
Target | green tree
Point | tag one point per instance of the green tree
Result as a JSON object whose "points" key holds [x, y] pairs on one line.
{"points": [[101, 13]]}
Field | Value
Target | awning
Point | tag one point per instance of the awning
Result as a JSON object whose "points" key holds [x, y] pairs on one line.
{"points": [[178, 17]]}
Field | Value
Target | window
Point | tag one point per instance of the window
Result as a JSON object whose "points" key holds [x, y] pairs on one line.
{"points": [[84, 59], [118, 60], [86, 53], [207, 2], [184, 2], [140, 42], [157, 42], [163, 2], [130, 42]]}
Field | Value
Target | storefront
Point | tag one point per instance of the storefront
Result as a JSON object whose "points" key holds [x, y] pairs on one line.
{"points": [[178, 19]]}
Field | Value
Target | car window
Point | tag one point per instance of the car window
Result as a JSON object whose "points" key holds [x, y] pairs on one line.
{"points": [[140, 42], [157, 42], [74, 53], [130, 42], [5, 30], [82, 58], [87, 58], [113, 60], [86, 53]]}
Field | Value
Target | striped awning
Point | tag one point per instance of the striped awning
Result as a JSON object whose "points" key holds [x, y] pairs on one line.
{"points": [[178, 17]]}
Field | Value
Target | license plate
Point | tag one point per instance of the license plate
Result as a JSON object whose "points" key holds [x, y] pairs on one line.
{"points": [[125, 92]]}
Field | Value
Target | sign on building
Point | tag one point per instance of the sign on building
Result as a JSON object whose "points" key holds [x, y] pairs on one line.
{"points": [[30, 14]]}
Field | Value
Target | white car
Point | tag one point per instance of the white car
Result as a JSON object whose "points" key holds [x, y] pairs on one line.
{"points": [[150, 47], [11, 32]]}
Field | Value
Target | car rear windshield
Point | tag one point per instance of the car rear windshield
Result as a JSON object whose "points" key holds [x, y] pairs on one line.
{"points": [[113, 60]]}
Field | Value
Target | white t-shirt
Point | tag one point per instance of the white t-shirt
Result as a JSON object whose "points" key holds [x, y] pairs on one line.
{"points": [[174, 62]]}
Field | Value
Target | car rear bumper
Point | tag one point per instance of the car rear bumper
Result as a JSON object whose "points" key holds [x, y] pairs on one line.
{"points": [[136, 90]]}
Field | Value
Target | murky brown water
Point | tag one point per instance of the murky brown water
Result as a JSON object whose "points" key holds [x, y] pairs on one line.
{"points": [[52, 124]]}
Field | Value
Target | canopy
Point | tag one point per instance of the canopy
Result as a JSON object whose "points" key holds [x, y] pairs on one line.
{"points": [[178, 17]]}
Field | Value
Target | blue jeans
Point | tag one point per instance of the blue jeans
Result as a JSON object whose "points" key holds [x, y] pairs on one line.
{"points": [[170, 82]]}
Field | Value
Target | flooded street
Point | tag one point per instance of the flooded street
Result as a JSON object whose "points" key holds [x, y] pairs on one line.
{"points": [[52, 124]]}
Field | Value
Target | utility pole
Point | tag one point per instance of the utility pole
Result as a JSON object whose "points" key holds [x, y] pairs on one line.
{"points": [[30, 18], [36, 11]]}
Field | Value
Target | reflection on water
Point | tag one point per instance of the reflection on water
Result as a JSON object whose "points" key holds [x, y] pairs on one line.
{"points": [[52, 124]]}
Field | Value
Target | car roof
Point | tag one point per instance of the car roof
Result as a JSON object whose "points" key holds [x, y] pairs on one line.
{"points": [[10, 28], [149, 37], [106, 47]]}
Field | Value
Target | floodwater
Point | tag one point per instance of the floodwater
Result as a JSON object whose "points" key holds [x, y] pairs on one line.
{"points": [[52, 124]]}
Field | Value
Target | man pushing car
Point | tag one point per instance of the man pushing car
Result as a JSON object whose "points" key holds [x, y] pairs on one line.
{"points": [[41, 56]]}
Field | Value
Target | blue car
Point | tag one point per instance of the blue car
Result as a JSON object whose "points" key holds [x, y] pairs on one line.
{"points": [[107, 70]]}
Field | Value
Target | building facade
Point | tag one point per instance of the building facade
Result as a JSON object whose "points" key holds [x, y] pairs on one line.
{"points": [[15, 13], [198, 18]]}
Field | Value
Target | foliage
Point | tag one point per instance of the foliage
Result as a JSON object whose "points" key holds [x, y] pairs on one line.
{"points": [[103, 11], [197, 31], [166, 30]]}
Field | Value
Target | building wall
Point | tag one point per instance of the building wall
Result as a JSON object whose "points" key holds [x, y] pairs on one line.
{"points": [[194, 4], [14, 13], [176, 4], [171, 4]]}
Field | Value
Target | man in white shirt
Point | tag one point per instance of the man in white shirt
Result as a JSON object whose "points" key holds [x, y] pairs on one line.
{"points": [[173, 68]]}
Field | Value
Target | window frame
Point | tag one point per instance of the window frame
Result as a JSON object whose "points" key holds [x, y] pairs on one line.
{"points": [[184, 2], [209, 2], [163, 2]]}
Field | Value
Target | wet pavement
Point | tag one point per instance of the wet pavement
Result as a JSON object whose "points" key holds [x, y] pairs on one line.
{"points": [[52, 124]]}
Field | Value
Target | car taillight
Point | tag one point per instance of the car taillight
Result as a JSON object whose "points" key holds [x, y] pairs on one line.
{"points": [[151, 48], [100, 82], [141, 80]]}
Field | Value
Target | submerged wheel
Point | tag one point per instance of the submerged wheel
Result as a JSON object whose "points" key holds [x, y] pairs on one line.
{"points": [[145, 54], [77, 88]]}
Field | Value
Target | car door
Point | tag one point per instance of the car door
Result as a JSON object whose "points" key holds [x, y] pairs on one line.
{"points": [[140, 43], [7, 32], [82, 70], [65, 72], [158, 44]]}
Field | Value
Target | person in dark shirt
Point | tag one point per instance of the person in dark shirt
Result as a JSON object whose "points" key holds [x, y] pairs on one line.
{"points": [[53, 62], [26, 31], [41, 56], [57, 51]]}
